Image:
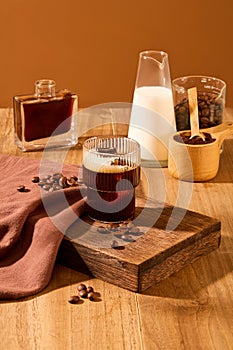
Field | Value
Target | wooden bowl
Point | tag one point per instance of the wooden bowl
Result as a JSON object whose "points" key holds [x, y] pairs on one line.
{"points": [[197, 162]]}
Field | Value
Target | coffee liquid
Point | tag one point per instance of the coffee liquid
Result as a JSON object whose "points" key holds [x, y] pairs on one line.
{"points": [[111, 192], [42, 119]]}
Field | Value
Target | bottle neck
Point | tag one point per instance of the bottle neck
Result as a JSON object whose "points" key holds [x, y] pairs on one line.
{"points": [[45, 88]]}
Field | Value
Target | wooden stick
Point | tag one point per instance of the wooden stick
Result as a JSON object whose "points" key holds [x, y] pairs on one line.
{"points": [[193, 110]]}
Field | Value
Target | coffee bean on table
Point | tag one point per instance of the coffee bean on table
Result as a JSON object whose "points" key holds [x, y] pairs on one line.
{"points": [[91, 296], [90, 289], [74, 299], [82, 286], [102, 229], [21, 188], [135, 231], [83, 293], [114, 244], [35, 179], [127, 238]]}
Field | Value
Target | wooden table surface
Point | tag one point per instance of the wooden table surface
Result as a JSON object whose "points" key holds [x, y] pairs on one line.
{"points": [[192, 309]]}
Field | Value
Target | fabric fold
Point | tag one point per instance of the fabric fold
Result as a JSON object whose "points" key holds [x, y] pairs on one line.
{"points": [[32, 226]]}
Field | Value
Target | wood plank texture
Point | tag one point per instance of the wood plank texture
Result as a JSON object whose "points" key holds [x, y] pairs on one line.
{"points": [[155, 255]]}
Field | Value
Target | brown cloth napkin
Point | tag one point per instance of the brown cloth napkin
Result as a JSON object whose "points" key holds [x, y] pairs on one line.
{"points": [[32, 225]]}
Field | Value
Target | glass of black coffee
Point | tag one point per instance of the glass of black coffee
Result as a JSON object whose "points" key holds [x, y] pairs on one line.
{"points": [[111, 171]]}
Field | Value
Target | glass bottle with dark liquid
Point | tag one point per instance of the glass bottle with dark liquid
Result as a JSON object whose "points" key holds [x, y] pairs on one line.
{"points": [[47, 118], [111, 176]]}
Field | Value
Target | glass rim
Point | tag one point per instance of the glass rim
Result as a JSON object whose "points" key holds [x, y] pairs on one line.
{"points": [[175, 80], [94, 151], [146, 52]]}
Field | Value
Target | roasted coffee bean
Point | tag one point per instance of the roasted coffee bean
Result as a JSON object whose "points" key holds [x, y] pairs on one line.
{"points": [[118, 234], [63, 182], [130, 225], [57, 181], [135, 231], [56, 187], [71, 182], [83, 293], [82, 286], [74, 299], [111, 227], [91, 296], [102, 229], [123, 227], [114, 244], [21, 188], [42, 183], [127, 238], [196, 140], [90, 289], [51, 181], [46, 187], [210, 107], [35, 179]]}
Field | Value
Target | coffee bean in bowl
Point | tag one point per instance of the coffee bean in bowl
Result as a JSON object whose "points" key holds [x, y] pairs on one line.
{"points": [[185, 137]]}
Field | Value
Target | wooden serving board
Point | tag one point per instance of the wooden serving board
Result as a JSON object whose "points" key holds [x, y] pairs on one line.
{"points": [[170, 238]]}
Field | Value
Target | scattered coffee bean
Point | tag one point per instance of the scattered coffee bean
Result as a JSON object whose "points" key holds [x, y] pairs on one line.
{"points": [[63, 182], [71, 182], [114, 244], [118, 234], [46, 187], [135, 231], [91, 296], [127, 238], [123, 227], [90, 289], [74, 299], [42, 183], [35, 179], [82, 286], [21, 188], [102, 229], [124, 230], [130, 225], [111, 227], [57, 181], [83, 293]]}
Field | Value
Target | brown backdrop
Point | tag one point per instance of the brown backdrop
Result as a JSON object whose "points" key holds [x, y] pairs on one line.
{"points": [[92, 46]]}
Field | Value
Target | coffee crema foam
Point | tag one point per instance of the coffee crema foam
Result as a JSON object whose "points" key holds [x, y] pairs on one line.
{"points": [[109, 167]]}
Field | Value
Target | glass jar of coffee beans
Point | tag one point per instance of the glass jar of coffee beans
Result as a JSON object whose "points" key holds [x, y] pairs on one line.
{"points": [[211, 93]]}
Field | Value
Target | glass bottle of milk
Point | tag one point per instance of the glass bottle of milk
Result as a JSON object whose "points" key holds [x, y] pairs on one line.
{"points": [[152, 117]]}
